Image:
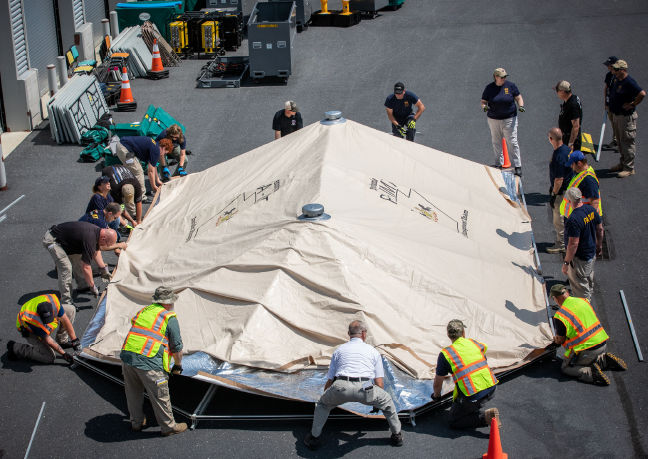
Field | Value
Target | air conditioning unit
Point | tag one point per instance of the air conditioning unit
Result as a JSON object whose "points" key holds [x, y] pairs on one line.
{"points": [[84, 42]]}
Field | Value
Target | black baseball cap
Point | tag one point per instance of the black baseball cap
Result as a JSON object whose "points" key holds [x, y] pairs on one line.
{"points": [[611, 60], [399, 88], [45, 313]]}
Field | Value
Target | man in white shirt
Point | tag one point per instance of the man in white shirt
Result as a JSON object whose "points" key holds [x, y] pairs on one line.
{"points": [[355, 375]]}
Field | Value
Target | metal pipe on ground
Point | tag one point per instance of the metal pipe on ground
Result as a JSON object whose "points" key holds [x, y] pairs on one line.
{"points": [[631, 325], [51, 79]]}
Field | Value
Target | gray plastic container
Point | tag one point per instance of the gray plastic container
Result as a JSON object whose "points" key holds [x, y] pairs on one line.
{"points": [[271, 34]]}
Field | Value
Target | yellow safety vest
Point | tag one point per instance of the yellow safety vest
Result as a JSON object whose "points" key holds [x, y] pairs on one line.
{"points": [[148, 333], [470, 371], [566, 207], [583, 327], [28, 314]]}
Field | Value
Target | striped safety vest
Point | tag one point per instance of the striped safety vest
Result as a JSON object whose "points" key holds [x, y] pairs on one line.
{"points": [[566, 207], [470, 371], [28, 314], [148, 333], [583, 327]]}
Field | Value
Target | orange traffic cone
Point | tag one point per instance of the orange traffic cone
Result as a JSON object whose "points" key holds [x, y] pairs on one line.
{"points": [[507, 161], [494, 444], [157, 71], [126, 101]]}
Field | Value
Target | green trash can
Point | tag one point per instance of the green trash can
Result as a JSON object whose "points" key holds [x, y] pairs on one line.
{"points": [[159, 13]]}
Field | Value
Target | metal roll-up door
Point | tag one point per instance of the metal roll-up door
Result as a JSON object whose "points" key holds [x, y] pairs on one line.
{"points": [[19, 36], [79, 14], [41, 33], [95, 11]]}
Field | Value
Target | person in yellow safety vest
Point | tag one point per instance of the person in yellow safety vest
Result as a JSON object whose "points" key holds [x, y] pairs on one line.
{"points": [[585, 180], [37, 320], [580, 332], [153, 338], [474, 381]]}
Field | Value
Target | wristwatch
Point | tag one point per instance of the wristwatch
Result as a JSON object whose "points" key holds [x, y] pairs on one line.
{"points": [[566, 263]]}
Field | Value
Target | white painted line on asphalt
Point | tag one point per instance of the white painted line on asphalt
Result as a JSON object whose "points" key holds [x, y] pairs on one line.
{"points": [[2, 218], [9, 206], [35, 427]]}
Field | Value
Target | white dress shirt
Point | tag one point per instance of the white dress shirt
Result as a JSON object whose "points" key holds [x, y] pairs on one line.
{"points": [[357, 359]]}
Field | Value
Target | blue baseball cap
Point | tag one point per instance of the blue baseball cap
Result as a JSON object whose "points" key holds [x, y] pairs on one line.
{"points": [[575, 156]]}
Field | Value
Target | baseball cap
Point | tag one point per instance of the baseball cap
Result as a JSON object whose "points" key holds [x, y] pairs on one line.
{"points": [[563, 85], [455, 327], [290, 105], [573, 194], [557, 290], [45, 313], [575, 156], [99, 181], [620, 65], [611, 60], [500, 72], [399, 88]]}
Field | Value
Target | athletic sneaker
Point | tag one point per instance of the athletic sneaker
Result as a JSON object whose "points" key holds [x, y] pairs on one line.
{"points": [[556, 249], [491, 413], [612, 362], [179, 428], [312, 442], [626, 173], [139, 428], [598, 376], [396, 439]]}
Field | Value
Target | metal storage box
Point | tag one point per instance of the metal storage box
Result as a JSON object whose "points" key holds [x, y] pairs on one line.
{"points": [[304, 11], [271, 34], [369, 5]]}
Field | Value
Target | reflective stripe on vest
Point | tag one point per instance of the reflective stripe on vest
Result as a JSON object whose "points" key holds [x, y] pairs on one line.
{"points": [[148, 333], [470, 371], [583, 328], [566, 207], [28, 314]]}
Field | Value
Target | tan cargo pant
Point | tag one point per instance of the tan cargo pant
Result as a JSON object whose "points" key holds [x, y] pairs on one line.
{"points": [[558, 222], [580, 367], [156, 385], [130, 161], [38, 350], [625, 132], [67, 266], [342, 391], [581, 278]]}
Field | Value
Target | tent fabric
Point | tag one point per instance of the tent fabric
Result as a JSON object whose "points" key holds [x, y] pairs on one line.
{"points": [[416, 237]]}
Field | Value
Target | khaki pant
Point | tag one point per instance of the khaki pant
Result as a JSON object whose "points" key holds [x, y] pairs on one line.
{"points": [[579, 366], [505, 129], [37, 349], [558, 222], [67, 266], [346, 391], [156, 385], [581, 278], [130, 161], [625, 131]]}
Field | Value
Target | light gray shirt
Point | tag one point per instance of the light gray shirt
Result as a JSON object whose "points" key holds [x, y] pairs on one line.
{"points": [[357, 359]]}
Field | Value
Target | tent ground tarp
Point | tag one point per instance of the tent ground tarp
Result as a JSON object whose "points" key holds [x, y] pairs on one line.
{"points": [[416, 237]]}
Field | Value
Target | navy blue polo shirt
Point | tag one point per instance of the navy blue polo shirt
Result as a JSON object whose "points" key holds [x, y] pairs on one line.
{"points": [[402, 107], [558, 167], [609, 80], [589, 187], [144, 148], [582, 224], [98, 202], [501, 100], [96, 217], [623, 92]]}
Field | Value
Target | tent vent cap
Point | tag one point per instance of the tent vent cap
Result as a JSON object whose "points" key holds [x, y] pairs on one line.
{"points": [[333, 117], [312, 212]]}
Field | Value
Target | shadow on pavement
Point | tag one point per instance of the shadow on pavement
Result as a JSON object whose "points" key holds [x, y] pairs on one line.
{"points": [[112, 427]]}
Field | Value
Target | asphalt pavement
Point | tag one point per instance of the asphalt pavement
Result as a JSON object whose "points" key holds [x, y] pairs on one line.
{"points": [[444, 51]]}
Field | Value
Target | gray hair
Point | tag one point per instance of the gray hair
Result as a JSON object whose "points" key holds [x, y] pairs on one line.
{"points": [[357, 327], [455, 329]]}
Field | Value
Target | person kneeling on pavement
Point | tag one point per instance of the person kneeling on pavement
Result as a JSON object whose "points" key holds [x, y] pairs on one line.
{"points": [[355, 375], [37, 320], [580, 332], [178, 153], [475, 382], [146, 354]]}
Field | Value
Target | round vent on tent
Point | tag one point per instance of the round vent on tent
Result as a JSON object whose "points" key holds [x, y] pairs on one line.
{"points": [[312, 212], [333, 117]]}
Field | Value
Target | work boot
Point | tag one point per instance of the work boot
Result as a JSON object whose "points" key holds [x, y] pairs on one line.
{"points": [[11, 355], [626, 173], [612, 362], [396, 439], [139, 428], [312, 442], [166, 175], [518, 171], [599, 378], [179, 428], [556, 249], [617, 168], [491, 413], [610, 146]]}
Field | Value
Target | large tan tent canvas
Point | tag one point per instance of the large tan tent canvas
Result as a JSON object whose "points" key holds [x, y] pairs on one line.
{"points": [[416, 237]]}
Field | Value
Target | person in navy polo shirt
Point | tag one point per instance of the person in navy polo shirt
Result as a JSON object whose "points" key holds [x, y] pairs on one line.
{"points": [[132, 149], [560, 173], [584, 241], [498, 101], [400, 111], [287, 121]]}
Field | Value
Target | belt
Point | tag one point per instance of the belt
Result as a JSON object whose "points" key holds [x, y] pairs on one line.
{"points": [[352, 378]]}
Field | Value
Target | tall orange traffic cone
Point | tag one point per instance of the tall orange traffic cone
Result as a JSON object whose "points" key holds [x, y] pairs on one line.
{"points": [[126, 101], [157, 71], [494, 444], [507, 161]]}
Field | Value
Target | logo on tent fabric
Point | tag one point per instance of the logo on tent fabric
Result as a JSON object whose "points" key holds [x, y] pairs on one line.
{"points": [[235, 206], [392, 193]]}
